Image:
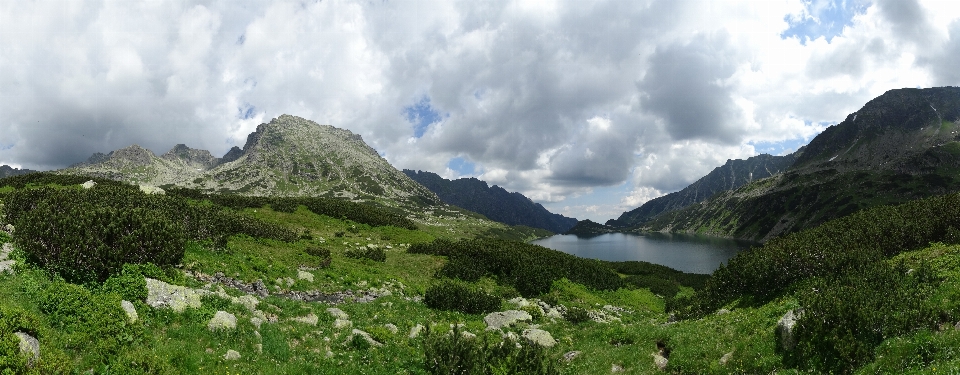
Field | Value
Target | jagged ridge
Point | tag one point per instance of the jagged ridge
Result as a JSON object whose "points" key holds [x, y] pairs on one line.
{"points": [[493, 202]]}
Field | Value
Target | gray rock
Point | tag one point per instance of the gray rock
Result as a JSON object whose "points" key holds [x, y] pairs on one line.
{"points": [[415, 331], [616, 368], [5, 250], [6, 267], [231, 355], [8, 228], [784, 331], [507, 318], [256, 321], [148, 189], [29, 346], [342, 323], [178, 298], [539, 337], [723, 312], [571, 355], [304, 275], [366, 336], [222, 320], [131, 311], [337, 313], [726, 358], [88, 184], [248, 301], [392, 328], [660, 361], [310, 319]]}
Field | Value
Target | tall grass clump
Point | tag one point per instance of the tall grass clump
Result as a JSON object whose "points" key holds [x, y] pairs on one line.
{"points": [[454, 354]]}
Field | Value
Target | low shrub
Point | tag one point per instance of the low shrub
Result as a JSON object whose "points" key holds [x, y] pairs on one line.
{"points": [[375, 254], [14, 320], [576, 315], [657, 285], [129, 284], [454, 353], [845, 318], [317, 251], [459, 296], [92, 322], [531, 269]]}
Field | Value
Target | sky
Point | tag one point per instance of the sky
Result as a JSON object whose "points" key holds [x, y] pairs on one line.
{"points": [[588, 107]]}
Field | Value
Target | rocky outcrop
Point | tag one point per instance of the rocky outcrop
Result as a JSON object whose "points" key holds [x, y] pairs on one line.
{"points": [[29, 346], [507, 318], [222, 320], [176, 297], [786, 338], [539, 337]]}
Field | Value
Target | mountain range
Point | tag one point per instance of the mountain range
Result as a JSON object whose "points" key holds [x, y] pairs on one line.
{"points": [[493, 202], [289, 156], [7, 171], [901, 146]]}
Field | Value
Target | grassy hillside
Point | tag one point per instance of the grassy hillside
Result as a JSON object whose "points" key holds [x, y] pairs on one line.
{"points": [[895, 312]]}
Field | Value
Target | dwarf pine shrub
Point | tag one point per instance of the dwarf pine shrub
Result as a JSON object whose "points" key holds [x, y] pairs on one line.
{"points": [[454, 353], [459, 296], [375, 254]]}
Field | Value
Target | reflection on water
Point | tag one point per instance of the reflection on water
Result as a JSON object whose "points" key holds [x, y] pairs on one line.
{"points": [[688, 253]]}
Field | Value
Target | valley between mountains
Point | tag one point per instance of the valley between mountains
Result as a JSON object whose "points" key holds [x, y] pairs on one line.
{"points": [[304, 251]]}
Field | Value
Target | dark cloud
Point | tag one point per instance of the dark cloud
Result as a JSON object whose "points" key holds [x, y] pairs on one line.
{"points": [[685, 86], [945, 65], [907, 18]]}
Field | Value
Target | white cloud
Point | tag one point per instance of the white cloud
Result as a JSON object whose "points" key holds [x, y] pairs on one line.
{"points": [[554, 99]]}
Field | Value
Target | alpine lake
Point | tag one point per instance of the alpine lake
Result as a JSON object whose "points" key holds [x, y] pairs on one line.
{"points": [[684, 252]]}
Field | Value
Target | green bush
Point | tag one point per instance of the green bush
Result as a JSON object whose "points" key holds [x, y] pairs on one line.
{"points": [[317, 251], [455, 354], [576, 315], [657, 285], [845, 318], [458, 296], [67, 234], [531, 269], [129, 284], [374, 254], [829, 250], [14, 320]]}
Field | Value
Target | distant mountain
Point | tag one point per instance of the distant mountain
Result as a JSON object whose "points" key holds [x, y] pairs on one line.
{"points": [[289, 156], [7, 171], [493, 202], [731, 175], [901, 146]]}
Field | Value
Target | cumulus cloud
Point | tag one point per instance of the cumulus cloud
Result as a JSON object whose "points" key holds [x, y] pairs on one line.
{"points": [[555, 99]]}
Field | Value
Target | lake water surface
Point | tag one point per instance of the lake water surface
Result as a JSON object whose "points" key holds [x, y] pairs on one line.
{"points": [[687, 253]]}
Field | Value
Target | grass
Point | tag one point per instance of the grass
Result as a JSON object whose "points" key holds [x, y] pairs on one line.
{"points": [[172, 342]]}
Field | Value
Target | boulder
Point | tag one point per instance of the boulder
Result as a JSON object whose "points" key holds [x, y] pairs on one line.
{"points": [[29, 346], [342, 323], [131, 311], [310, 319], [337, 313], [539, 337], [392, 328], [231, 355], [366, 336], [507, 318], [256, 321], [148, 189], [304, 275], [415, 331], [178, 298], [660, 361], [726, 358], [571, 355], [88, 184], [616, 368], [222, 320], [785, 335]]}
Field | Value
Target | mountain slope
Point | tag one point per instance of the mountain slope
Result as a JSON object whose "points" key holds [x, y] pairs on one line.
{"points": [[901, 146], [289, 156], [493, 202], [729, 176], [7, 171]]}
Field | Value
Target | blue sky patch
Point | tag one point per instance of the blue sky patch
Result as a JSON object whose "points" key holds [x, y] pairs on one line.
{"points": [[780, 148], [825, 18], [421, 114], [246, 111], [461, 166]]}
